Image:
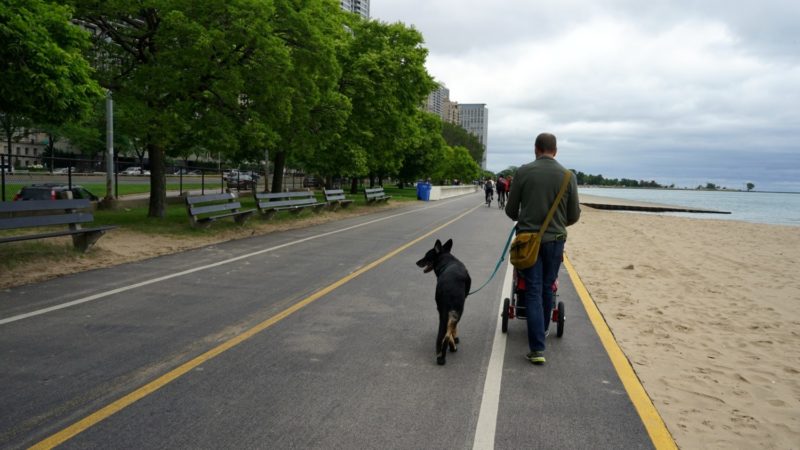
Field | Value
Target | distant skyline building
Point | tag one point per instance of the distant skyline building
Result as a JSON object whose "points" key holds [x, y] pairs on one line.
{"points": [[450, 112], [437, 99], [356, 6], [474, 118]]}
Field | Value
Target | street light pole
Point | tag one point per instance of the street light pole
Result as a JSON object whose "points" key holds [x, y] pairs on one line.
{"points": [[109, 149]]}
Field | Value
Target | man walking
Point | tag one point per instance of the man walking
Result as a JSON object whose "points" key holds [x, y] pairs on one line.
{"points": [[536, 186]]}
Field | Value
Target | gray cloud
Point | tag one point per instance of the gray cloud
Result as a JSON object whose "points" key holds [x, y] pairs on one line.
{"points": [[677, 91]]}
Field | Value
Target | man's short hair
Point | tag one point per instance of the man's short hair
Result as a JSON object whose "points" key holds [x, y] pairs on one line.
{"points": [[546, 142]]}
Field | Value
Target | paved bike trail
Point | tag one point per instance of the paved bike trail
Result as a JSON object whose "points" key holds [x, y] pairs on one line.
{"points": [[351, 368]]}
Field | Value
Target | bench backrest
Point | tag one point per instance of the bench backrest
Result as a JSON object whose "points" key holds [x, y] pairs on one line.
{"points": [[212, 203], [332, 195], [374, 193], [40, 213], [280, 199]]}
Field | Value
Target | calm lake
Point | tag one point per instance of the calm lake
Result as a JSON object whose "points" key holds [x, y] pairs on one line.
{"points": [[758, 207]]}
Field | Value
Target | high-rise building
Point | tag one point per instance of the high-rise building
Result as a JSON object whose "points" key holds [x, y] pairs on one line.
{"points": [[356, 6], [474, 118], [450, 112], [437, 99]]}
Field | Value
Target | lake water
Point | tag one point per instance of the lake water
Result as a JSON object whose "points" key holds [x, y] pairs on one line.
{"points": [[757, 207]]}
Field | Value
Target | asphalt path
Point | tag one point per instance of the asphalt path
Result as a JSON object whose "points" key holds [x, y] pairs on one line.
{"points": [[321, 337]]}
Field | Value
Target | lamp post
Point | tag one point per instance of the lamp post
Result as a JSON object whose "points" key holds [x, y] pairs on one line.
{"points": [[109, 199]]}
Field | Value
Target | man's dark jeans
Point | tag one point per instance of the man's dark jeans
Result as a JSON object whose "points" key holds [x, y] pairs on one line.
{"points": [[539, 280]]}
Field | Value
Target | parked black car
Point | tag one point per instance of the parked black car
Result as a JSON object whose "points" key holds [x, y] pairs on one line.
{"points": [[53, 191]]}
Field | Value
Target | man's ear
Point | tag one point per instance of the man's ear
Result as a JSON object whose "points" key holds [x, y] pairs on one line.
{"points": [[447, 246], [438, 246]]}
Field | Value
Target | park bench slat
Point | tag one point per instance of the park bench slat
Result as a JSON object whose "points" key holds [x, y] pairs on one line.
{"points": [[197, 210], [209, 198], [270, 203], [44, 205], [199, 205], [43, 221], [46, 213], [376, 194]]}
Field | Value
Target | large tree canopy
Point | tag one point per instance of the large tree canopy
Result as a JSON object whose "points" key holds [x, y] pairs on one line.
{"points": [[385, 79], [455, 135], [191, 69], [43, 73]]}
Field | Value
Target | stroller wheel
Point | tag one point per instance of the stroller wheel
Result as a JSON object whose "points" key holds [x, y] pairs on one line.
{"points": [[561, 318]]}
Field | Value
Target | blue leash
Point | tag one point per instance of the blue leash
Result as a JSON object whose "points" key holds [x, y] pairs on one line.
{"points": [[502, 258]]}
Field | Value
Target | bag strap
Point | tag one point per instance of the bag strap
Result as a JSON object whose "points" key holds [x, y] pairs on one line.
{"points": [[552, 211]]}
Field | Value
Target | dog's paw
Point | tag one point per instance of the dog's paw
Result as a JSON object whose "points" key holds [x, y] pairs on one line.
{"points": [[457, 340], [440, 360]]}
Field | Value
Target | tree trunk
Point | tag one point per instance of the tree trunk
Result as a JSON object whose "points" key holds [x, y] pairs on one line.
{"points": [[277, 173], [158, 181], [372, 180], [354, 185], [380, 180]]}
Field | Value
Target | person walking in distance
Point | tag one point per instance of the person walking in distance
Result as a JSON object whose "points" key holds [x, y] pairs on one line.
{"points": [[502, 189], [535, 188]]}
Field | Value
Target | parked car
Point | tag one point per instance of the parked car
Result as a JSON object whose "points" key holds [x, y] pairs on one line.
{"points": [[61, 170], [53, 191], [133, 170], [243, 182], [311, 182], [7, 168]]}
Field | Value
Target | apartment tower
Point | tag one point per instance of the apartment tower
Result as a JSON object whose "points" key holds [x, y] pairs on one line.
{"points": [[356, 6], [474, 118]]}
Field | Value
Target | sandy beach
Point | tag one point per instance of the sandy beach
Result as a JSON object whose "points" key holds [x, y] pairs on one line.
{"points": [[708, 313]]}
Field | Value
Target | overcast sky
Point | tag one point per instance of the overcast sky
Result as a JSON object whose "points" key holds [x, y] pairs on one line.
{"points": [[683, 92]]}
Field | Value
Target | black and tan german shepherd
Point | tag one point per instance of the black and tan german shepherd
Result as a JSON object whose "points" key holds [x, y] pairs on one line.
{"points": [[452, 286]]}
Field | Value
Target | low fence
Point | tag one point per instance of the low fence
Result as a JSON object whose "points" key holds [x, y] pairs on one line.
{"points": [[442, 192]]}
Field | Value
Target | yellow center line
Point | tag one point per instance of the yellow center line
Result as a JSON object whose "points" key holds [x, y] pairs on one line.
{"points": [[655, 426], [118, 405]]}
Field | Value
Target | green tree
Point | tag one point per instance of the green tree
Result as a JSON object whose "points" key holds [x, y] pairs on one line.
{"points": [[750, 186], [191, 72], [312, 30], [425, 150], [384, 78], [462, 166], [455, 136], [44, 77]]}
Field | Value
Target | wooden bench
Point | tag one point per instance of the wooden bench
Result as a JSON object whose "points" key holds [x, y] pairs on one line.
{"points": [[42, 213], [335, 198], [271, 204], [376, 195], [203, 209]]}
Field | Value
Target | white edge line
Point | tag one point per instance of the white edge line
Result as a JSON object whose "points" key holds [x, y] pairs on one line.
{"points": [[100, 295], [490, 402]]}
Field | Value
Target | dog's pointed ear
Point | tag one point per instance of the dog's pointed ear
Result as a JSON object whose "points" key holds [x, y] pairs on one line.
{"points": [[438, 246], [447, 246]]}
